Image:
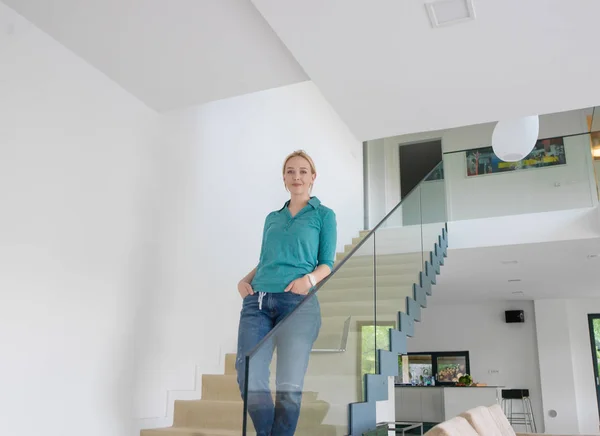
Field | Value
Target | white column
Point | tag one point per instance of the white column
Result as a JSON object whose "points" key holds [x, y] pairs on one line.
{"points": [[556, 367]]}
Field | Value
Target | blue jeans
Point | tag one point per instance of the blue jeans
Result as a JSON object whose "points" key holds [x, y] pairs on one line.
{"points": [[293, 340]]}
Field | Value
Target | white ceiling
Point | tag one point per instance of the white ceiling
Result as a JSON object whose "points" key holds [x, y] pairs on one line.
{"points": [[170, 54], [387, 72], [546, 270], [379, 63]]}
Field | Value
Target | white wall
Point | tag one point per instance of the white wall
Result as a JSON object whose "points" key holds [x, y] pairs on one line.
{"points": [[123, 234], [597, 172], [566, 368], [222, 177], [528, 191], [556, 367], [583, 368], [560, 225], [75, 157], [493, 344], [375, 179]]}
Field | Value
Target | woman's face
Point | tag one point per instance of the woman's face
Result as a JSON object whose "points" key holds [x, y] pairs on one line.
{"points": [[298, 176]]}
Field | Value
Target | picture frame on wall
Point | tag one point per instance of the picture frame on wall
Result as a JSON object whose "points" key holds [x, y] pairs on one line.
{"points": [[546, 153]]}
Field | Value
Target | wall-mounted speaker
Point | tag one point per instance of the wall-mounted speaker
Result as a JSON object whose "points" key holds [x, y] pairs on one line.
{"points": [[514, 316]]}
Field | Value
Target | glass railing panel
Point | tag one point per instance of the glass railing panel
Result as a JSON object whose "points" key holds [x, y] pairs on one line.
{"points": [[595, 150], [593, 122], [398, 260], [400, 253], [593, 119], [319, 353], [433, 208], [557, 175]]}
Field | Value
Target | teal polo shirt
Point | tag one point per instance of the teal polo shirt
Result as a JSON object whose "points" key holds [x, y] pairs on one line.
{"points": [[294, 246]]}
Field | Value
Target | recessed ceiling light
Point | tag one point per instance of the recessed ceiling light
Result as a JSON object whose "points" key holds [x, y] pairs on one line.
{"points": [[447, 12], [518, 293], [514, 280]]}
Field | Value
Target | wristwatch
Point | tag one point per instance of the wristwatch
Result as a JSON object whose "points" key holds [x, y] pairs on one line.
{"points": [[312, 280]]}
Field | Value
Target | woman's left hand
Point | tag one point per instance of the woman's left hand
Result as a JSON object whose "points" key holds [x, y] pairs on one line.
{"points": [[299, 286]]}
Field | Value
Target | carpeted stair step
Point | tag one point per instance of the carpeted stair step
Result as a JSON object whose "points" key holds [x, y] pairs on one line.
{"points": [[350, 271], [365, 294], [229, 414], [230, 364], [225, 388], [364, 257], [365, 308], [323, 430], [332, 323], [187, 431], [407, 279]]}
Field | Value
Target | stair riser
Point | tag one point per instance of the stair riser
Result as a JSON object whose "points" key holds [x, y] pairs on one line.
{"points": [[349, 271], [229, 415], [389, 247], [365, 258], [225, 388], [220, 388], [408, 278], [393, 291], [382, 312], [230, 364], [323, 430], [333, 324], [365, 295], [361, 309]]}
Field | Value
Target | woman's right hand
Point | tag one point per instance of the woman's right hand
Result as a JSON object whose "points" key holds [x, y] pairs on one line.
{"points": [[245, 289]]}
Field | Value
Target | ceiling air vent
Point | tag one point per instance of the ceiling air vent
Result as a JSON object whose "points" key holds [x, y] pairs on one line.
{"points": [[448, 12]]}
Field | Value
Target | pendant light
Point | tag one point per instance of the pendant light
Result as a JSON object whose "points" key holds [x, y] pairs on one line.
{"points": [[513, 139]]}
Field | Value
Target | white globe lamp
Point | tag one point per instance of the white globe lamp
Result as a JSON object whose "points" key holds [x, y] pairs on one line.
{"points": [[514, 139]]}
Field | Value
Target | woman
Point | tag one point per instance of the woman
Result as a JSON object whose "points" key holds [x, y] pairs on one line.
{"points": [[298, 250]]}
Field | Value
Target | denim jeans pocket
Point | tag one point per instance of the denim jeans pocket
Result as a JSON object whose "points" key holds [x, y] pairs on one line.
{"points": [[250, 301]]}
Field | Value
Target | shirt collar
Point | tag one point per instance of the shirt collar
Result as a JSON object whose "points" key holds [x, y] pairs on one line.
{"points": [[314, 202]]}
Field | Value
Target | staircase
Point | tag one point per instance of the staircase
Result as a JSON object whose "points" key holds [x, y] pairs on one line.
{"points": [[220, 411], [362, 415], [368, 306]]}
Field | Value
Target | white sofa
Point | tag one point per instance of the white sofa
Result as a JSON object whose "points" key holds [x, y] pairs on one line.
{"points": [[481, 421]]}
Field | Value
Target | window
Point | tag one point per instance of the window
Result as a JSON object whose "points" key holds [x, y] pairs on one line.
{"points": [[444, 367], [372, 337]]}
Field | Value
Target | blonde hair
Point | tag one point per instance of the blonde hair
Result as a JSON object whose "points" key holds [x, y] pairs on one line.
{"points": [[303, 154]]}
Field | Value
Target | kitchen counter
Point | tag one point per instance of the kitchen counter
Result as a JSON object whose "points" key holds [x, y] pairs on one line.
{"points": [[440, 403], [446, 386]]}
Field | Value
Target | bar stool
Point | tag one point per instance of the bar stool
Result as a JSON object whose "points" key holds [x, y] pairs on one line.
{"points": [[525, 416]]}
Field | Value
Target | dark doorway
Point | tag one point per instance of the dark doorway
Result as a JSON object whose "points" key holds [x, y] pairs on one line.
{"points": [[416, 161], [595, 341]]}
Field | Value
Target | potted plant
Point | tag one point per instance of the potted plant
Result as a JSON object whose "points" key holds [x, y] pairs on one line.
{"points": [[465, 380]]}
